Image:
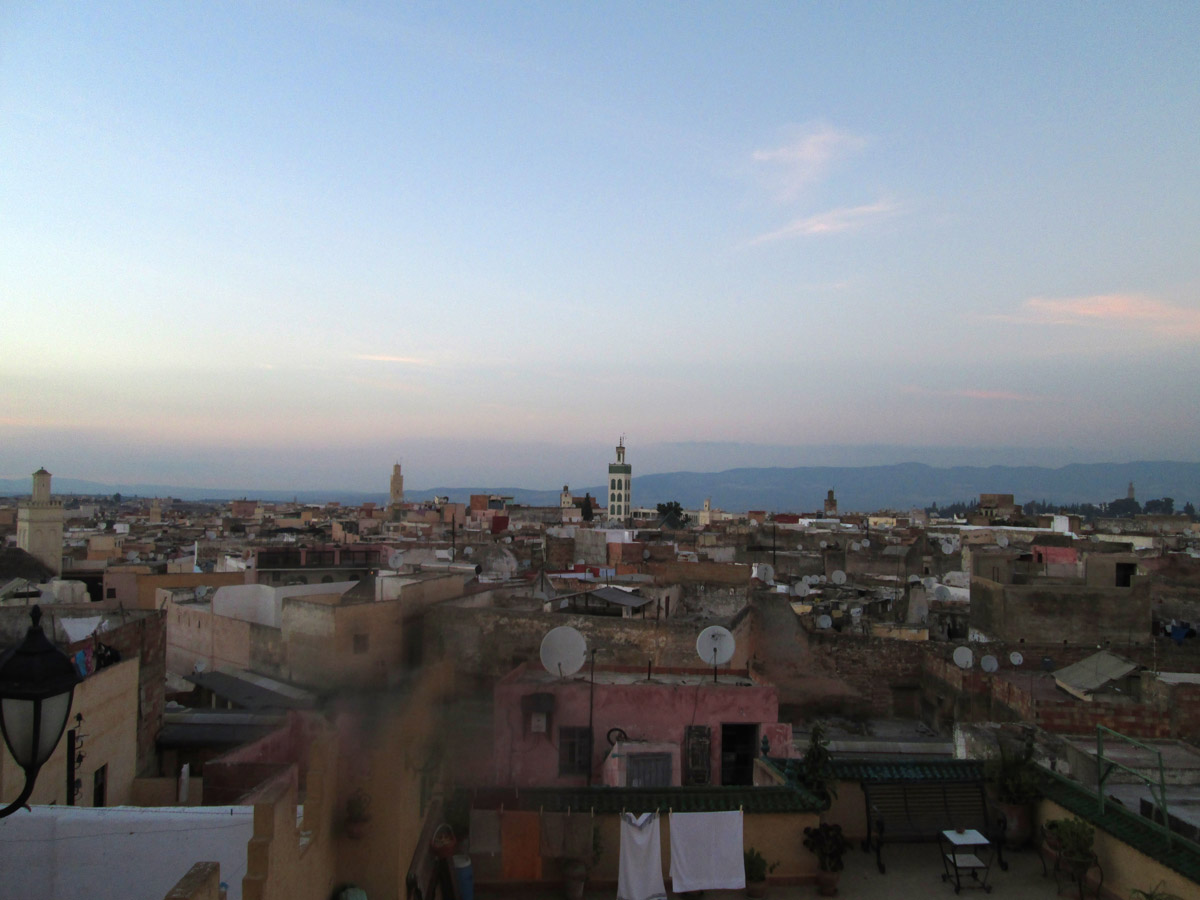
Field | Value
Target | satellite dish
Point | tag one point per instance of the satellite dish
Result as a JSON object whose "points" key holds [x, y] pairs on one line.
{"points": [[200, 666], [801, 590], [989, 664], [856, 612], [824, 544], [715, 645], [754, 523], [839, 577], [929, 583], [1016, 658], [823, 621], [468, 551], [645, 554], [947, 547], [866, 542], [856, 546], [1002, 540], [941, 592], [564, 651], [964, 658], [913, 579], [821, 579], [507, 540]]}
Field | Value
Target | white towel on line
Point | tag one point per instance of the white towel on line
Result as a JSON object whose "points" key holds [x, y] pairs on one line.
{"points": [[639, 871], [706, 852]]}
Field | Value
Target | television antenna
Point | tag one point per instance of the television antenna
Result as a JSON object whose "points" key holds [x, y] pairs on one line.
{"points": [[563, 651], [715, 645]]}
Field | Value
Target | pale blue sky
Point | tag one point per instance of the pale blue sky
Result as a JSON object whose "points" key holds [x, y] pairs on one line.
{"points": [[293, 241]]}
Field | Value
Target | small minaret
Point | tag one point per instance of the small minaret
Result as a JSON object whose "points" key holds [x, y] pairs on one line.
{"points": [[565, 500], [396, 494], [830, 505], [1129, 495], [620, 485], [40, 524]]}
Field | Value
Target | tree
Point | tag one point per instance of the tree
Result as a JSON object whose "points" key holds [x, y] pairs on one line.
{"points": [[1124, 508], [116, 498], [587, 508], [1189, 510], [1163, 507], [672, 514]]}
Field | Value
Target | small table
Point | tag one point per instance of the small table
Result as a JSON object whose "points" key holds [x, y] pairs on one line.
{"points": [[964, 852]]}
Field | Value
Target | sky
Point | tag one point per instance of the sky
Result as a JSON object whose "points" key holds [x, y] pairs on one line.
{"points": [[286, 244]]}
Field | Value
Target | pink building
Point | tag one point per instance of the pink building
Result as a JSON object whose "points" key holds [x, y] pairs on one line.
{"points": [[676, 728]]}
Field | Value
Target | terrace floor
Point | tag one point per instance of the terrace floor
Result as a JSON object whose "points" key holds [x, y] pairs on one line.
{"points": [[913, 871]]}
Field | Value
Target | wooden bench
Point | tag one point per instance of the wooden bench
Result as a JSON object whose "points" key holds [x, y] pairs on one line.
{"points": [[903, 811]]}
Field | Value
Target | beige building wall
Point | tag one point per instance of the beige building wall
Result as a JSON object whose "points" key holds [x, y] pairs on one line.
{"points": [[356, 644], [196, 634], [107, 700]]}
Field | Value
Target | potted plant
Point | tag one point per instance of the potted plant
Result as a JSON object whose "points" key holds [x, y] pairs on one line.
{"points": [[757, 870], [816, 766], [1073, 839], [358, 814], [1018, 786], [829, 845]]}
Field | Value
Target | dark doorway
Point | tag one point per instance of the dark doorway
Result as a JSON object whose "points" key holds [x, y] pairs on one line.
{"points": [[1125, 573], [737, 753]]}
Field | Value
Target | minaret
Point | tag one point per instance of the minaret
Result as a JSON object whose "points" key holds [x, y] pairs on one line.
{"points": [[396, 495], [620, 485], [830, 505], [40, 524], [565, 500], [1129, 495]]}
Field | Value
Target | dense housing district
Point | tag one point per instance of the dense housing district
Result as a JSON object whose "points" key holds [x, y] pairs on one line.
{"points": [[426, 699]]}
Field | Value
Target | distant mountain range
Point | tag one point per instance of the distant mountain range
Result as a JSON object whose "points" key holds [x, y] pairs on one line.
{"points": [[862, 488]]}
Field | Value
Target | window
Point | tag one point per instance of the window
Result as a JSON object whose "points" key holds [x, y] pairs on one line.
{"points": [[99, 785], [574, 751], [649, 770], [361, 642]]}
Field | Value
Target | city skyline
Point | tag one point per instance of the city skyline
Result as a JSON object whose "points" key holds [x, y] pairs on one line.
{"points": [[293, 240]]}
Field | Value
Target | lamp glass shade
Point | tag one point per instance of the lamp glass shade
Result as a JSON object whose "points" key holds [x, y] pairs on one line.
{"points": [[31, 750]]}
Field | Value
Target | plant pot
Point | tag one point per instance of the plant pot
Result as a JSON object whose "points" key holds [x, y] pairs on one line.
{"points": [[1078, 865], [827, 883], [1019, 824], [756, 888]]}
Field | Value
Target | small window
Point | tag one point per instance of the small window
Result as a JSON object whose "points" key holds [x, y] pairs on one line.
{"points": [[100, 785], [361, 642], [574, 751]]}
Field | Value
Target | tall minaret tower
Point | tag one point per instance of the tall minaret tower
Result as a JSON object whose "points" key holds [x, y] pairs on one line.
{"points": [[396, 495], [620, 485], [40, 524]]}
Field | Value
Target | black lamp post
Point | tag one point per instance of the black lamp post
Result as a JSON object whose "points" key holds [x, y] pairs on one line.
{"points": [[37, 681]]}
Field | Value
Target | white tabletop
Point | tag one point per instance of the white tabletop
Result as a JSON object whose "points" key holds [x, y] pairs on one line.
{"points": [[969, 838]]}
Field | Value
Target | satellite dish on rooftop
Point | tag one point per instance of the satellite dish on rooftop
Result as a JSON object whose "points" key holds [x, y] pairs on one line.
{"points": [[564, 651], [989, 664], [824, 621], [822, 579], [468, 551], [800, 589], [715, 645], [856, 546], [941, 592], [824, 544], [866, 542], [964, 658], [856, 612], [838, 577], [913, 579], [200, 666], [947, 547], [1002, 540], [1016, 658], [645, 554], [929, 583], [754, 523]]}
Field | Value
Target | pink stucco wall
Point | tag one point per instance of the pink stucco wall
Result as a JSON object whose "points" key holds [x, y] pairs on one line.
{"points": [[646, 711]]}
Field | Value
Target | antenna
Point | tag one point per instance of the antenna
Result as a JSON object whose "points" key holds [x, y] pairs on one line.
{"points": [[563, 651], [989, 664], [964, 658], [715, 645]]}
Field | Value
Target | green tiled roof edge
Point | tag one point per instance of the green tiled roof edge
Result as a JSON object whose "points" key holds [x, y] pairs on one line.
{"points": [[1121, 823], [780, 799]]}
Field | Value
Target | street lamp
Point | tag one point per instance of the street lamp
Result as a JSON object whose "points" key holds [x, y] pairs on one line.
{"points": [[37, 681]]}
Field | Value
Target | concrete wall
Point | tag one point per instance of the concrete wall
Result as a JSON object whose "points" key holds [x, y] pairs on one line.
{"points": [[652, 712], [1006, 612], [196, 635], [350, 645], [107, 700]]}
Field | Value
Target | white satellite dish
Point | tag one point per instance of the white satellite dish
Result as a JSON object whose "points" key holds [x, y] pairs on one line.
{"points": [[1002, 540], [823, 621], [1016, 658], [824, 544], [754, 523], [468, 551], [947, 547], [822, 579], [989, 664], [564, 651], [913, 579], [941, 592], [964, 658], [715, 645], [838, 577], [856, 612], [200, 666], [929, 583], [801, 590], [866, 542], [856, 546]]}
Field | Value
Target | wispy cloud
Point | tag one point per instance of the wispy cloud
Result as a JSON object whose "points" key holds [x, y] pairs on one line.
{"points": [[834, 221], [806, 157], [969, 393], [384, 358], [1127, 311]]}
